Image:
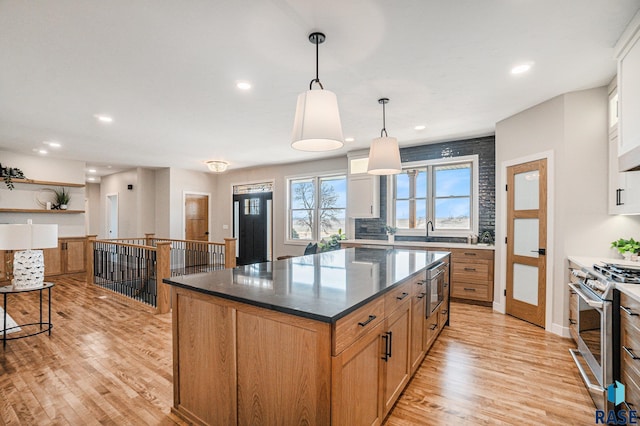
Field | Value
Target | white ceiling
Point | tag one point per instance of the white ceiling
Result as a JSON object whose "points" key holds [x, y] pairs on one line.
{"points": [[166, 71]]}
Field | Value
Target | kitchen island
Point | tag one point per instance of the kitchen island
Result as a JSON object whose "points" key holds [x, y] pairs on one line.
{"points": [[330, 338]]}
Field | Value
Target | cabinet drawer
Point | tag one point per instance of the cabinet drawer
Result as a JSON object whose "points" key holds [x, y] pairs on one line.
{"points": [[473, 291], [351, 327], [471, 272], [466, 255], [394, 298], [629, 310]]}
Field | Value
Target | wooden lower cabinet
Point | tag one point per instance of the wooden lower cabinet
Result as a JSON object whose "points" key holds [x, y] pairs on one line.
{"points": [[630, 350], [68, 258], [573, 315], [268, 367], [472, 275], [356, 380]]}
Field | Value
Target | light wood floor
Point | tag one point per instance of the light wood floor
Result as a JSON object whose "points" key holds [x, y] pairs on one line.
{"points": [[108, 362]]}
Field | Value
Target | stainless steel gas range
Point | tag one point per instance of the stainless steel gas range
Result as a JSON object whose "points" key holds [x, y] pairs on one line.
{"points": [[593, 324]]}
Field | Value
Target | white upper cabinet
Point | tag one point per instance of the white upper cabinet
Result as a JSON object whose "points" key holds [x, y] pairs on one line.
{"points": [[624, 188], [628, 55], [363, 188]]}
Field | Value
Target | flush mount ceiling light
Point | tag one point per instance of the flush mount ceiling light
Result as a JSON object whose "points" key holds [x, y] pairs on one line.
{"points": [[52, 144], [243, 85], [217, 166], [384, 154], [103, 118], [317, 124], [522, 68]]}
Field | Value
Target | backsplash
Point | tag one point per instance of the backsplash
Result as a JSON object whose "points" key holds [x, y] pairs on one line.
{"points": [[484, 147]]}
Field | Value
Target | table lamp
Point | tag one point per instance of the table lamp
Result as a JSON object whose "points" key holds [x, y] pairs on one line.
{"points": [[28, 263]]}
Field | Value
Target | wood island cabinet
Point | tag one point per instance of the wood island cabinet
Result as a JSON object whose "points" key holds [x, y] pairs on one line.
{"points": [[263, 366], [472, 275]]}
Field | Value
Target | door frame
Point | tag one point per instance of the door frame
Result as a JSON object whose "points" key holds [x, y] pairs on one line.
{"points": [[184, 213], [501, 305], [107, 211], [272, 181]]}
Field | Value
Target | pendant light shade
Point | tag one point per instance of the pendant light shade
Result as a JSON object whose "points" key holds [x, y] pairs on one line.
{"points": [[384, 154], [317, 125]]}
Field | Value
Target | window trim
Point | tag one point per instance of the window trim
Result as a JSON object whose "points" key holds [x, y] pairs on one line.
{"points": [[316, 177], [475, 186]]}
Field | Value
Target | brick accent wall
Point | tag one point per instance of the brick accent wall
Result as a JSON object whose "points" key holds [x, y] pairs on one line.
{"points": [[484, 147]]}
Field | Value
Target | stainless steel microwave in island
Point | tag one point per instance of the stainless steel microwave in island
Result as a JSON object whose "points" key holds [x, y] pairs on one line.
{"points": [[436, 278]]}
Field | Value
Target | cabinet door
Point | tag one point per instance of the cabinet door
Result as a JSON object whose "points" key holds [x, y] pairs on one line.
{"points": [[6, 262], [364, 196], [74, 255], [573, 315], [396, 367], [356, 375], [53, 261], [417, 331]]}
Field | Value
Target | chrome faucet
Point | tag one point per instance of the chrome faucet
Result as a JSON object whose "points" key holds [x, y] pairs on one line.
{"points": [[427, 226]]}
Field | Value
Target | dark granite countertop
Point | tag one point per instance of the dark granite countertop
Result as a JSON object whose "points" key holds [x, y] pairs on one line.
{"points": [[324, 286]]}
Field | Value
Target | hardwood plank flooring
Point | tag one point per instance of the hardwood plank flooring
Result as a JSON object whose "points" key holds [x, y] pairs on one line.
{"points": [[108, 361]]}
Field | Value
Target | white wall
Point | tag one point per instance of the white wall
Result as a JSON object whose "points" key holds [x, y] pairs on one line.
{"points": [[127, 203], [92, 193], [162, 203], [145, 192], [28, 196], [223, 199], [573, 129]]}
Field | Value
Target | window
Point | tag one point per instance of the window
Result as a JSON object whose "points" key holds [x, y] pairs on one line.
{"points": [[317, 207], [442, 192]]}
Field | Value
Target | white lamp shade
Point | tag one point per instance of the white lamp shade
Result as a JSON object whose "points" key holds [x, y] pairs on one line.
{"points": [[28, 236], [384, 157], [317, 125]]}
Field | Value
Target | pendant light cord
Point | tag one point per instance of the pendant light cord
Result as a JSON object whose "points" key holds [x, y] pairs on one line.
{"points": [[384, 118], [317, 79]]}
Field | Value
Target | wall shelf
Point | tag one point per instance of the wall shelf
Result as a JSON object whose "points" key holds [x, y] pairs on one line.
{"points": [[40, 211], [49, 183]]}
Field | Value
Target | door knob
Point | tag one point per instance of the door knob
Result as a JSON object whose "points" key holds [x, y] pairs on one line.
{"points": [[541, 251]]}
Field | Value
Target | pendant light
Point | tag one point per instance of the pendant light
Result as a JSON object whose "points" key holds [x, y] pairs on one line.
{"points": [[317, 124], [384, 154]]}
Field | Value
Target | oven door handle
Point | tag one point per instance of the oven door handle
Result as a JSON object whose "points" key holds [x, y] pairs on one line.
{"points": [[574, 354], [586, 298]]}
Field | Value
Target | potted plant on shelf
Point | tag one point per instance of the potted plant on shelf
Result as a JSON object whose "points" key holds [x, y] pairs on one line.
{"points": [[62, 198], [391, 232], [627, 248], [8, 174]]}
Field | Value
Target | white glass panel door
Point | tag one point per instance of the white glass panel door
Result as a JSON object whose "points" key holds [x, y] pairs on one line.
{"points": [[525, 283], [525, 237], [527, 190]]}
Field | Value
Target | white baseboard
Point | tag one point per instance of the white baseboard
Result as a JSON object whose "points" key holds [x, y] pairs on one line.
{"points": [[499, 307], [560, 330]]}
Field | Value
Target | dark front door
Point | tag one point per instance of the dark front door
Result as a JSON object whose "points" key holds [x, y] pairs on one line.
{"points": [[252, 226]]}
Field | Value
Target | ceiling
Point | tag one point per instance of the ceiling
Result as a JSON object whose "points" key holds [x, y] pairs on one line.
{"points": [[167, 72]]}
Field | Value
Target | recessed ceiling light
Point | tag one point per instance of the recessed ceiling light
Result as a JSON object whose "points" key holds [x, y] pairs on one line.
{"points": [[43, 151], [91, 170], [52, 144], [349, 139], [91, 179], [519, 69], [103, 118], [420, 127], [243, 85]]}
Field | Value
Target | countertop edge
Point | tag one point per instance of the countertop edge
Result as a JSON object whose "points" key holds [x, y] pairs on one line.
{"points": [[303, 314], [427, 245]]}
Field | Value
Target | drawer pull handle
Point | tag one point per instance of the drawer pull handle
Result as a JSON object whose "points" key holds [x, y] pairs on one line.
{"points": [[388, 341], [421, 295], [444, 311], [421, 282], [630, 352], [469, 269], [433, 327], [572, 321], [469, 289], [628, 311], [402, 296], [371, 318], [469, 254]]}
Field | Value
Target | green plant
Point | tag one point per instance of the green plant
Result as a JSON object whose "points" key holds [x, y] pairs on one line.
{"points": [[333, 242], [62, 196], [8, 174], [390, 230], [626, 246]]}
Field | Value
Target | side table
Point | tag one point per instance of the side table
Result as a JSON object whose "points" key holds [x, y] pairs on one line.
{"points": [[5, 291]]}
